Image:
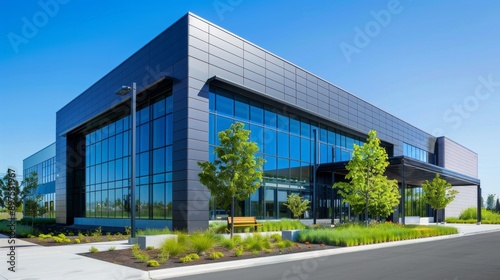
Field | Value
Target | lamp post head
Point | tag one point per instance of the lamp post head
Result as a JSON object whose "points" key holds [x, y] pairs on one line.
{"points": [[124, 90]]}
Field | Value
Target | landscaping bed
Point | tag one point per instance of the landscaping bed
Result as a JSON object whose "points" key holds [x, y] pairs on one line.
{"points": [[126, 257]]}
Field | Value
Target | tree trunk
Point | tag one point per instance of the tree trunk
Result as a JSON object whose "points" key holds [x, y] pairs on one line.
{"points": [[232, 216]]}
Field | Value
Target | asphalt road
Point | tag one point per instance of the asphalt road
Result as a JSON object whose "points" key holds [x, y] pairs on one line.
{"points": [[469, 257]]}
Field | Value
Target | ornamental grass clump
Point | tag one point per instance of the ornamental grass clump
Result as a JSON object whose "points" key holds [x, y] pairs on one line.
{"points": [[173, 247], [256, 242], [202, 241]]}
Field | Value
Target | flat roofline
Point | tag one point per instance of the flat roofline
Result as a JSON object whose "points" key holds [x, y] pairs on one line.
{"points": [[415, 172]]}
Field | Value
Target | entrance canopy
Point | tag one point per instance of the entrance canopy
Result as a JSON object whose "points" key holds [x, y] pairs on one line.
{"points": [[413, 172]]}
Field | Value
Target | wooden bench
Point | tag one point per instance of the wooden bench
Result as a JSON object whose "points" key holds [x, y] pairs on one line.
{"points": [[243, 222]]}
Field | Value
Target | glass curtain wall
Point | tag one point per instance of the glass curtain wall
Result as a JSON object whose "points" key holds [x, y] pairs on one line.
{"points": [[46, 172], [107, 165], [286, 142]]}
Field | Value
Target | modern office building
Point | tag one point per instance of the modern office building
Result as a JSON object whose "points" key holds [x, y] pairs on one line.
{"points": [[196, 79], [43, 163]]}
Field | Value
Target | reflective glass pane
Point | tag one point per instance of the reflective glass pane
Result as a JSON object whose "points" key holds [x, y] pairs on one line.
{"points": [[104, 150], [270, 118], [143, 205], [241, 109], [159, 206], [111, 149], [119, 125], [283, 168], [294, 125], [168, 200], [283, 123], [305, 129], [257, 136], [169, 104], [256, 114], [224, 104], [295, 147], [283, 145], [159, 161], [159, 109], [159, 132], [270, 167], [169, 132], [305, 149], [143, 138], [119, 145], [168, 159], [270, 141]]}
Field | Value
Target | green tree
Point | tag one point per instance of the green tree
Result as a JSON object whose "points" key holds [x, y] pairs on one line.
{"points": [[296, 204], [497, 206], [236, 171], [368, 189], [490, 201], [6, 193], [438, 193]]}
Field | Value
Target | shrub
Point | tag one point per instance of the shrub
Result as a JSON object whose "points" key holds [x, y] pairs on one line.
{"points": [[77, 241], [42, 236], [189, 258], [150, 248], [284, 244], [97, 234], [276, 237], [61, 238], [153, 263], [202, 242], [93, 249], [216, 255], [112, 248], [238, 252]]}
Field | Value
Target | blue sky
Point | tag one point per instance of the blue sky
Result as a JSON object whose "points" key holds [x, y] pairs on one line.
{"points": [[433, 64]]}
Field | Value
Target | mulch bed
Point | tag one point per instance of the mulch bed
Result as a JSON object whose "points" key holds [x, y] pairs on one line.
{"points": [[126, 258]]}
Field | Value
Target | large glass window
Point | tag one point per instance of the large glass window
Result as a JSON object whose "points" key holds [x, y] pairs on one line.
{"points": [[107, 162], [285, 141]]}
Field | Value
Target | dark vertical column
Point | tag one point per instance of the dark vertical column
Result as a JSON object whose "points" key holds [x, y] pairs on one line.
{"points": [[403, 193], [332, 198], [314, 204], [479, 206]]}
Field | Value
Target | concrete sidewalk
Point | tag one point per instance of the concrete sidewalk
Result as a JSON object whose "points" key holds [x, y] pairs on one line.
{"points": [[62, 262]]}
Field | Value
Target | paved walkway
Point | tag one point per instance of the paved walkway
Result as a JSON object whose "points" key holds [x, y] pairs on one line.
{"points": [[62, 262]]}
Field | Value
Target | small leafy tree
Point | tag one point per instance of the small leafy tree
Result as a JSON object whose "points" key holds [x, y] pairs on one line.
{"points": [[368, 189], [438, 193], [236, 171], [497, 206], [296, 204], [490, 201], [6, 193]]}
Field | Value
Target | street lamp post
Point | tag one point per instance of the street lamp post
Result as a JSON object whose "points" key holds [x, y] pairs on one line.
{"points": [[123, 91]]}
